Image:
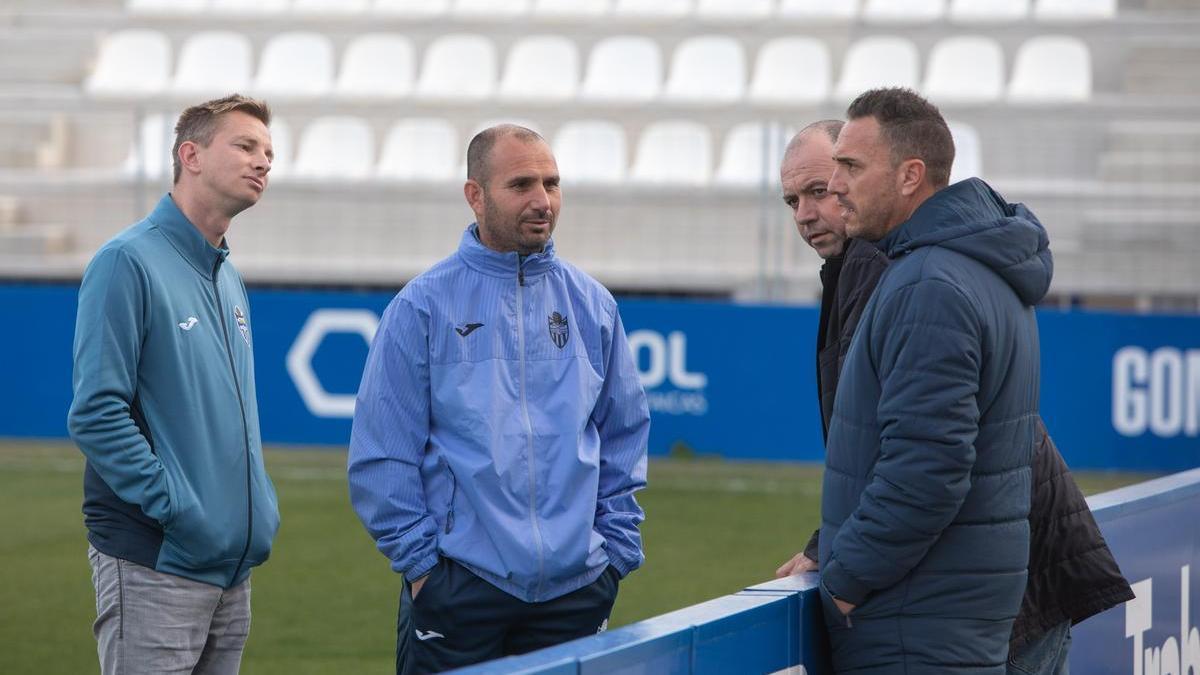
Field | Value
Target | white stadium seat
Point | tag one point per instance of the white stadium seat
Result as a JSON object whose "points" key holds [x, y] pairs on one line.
{"points": [[420, 150], [458, 67], [499, 10], [743, 160], [733, 10], [131, 63], [337, 148], [903, 11], [295, 65], [329, 7], [592, 152], [988, 11], [623, 69], [965, 69], [377, 66], [541, 70], [673, 152], [655, 10], [150, 154], [1051, 69], [708, 69], [968, 152], [818, 10], [416, 9], [878, 61], [165, 6], [571, 9], [247, 7], [1075, 10], [791, 71], [213, 63]]}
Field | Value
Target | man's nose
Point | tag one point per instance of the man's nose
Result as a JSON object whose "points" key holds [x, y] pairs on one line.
{"points": [[837, 182], [262, 161], [806, 212]]}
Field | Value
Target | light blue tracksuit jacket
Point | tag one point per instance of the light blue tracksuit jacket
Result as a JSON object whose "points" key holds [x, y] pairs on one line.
{"points": [[500, 423]]}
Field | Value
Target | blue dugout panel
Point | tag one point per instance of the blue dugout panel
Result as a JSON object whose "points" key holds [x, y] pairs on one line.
{"points": [[1118, 391], [778, 625]]}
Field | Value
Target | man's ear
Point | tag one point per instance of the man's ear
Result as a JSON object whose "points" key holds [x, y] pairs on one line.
{"points": [[473, 192], [911, 176], [188, 157]]}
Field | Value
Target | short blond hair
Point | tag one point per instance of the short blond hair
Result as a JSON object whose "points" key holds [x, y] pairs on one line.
{"points": [[198, 123]]}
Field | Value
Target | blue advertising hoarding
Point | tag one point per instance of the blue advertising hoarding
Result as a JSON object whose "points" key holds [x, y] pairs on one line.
{"points": [[1118, 391]]}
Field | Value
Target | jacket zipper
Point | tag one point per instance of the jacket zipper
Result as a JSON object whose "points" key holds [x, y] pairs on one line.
{"points": [[453, 493], [245, 427], [537, 532]]}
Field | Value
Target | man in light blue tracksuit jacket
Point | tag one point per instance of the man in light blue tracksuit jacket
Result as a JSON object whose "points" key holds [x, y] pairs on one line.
{"points": [[500, 431], [177, 503]]}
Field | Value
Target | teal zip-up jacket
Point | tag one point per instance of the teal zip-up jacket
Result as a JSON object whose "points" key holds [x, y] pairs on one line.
{"points": [[165, 408]]}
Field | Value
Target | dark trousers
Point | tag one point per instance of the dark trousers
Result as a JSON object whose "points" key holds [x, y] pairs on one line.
{"points": [[459, 619]]}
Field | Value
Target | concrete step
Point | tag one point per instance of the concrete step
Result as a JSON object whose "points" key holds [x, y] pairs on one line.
{"points": [[1165, 70], [1133, 166], [36, 240], [1154, 136], [1173, 5]]}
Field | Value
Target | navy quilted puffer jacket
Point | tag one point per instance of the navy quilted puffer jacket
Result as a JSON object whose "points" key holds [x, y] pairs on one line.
{"points": [[927, 480]]}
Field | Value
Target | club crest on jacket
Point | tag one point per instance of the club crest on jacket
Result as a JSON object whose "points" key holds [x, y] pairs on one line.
{"points": [[559, 331]]}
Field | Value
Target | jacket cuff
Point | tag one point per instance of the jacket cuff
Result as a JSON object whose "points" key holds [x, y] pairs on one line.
{"points": [[622, 567], [841, 585], [425, 566]]}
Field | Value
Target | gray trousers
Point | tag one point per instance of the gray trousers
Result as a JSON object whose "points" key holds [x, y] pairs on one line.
{"points": [[151, 622]]}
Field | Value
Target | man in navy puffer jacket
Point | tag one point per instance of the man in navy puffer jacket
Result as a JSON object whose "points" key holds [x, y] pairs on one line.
{"points": [[925, 536]]}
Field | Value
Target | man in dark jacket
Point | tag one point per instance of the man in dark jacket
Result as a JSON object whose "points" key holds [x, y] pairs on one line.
{"points": [[1072, 576], [925, 533]]}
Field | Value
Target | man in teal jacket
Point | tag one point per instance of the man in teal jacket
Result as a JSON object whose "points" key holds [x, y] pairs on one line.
{"points": [[177, 503]]}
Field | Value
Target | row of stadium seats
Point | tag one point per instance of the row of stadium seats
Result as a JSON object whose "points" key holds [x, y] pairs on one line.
{"points": [[668, 152], [879, 11], [545, 70]]}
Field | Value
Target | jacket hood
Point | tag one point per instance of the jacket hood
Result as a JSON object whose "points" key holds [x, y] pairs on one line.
{"points": [[971, 218]]}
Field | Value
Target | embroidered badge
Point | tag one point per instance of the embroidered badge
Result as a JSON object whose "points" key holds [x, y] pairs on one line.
{"points": [[243, 327], [559, 331]]}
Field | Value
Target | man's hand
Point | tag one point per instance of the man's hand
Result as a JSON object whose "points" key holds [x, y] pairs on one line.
{"points": [[843, 606], [416, 585], [799, 563]]}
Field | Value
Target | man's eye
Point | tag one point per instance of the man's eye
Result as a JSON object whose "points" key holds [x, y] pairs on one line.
{"points": [[819, 192]]}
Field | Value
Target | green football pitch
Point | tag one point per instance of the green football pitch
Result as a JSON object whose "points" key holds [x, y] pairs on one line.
{"points": [[326, 600]]}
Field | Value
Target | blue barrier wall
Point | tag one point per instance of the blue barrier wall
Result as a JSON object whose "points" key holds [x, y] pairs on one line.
{"points": [[1118, 391], [778, 625]]}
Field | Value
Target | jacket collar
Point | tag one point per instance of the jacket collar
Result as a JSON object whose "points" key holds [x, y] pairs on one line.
{"points": [[496, 264], [972, 219], [186, 237]]}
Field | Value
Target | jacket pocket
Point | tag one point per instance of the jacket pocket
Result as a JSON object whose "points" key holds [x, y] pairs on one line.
{"points": [[265, 518]]}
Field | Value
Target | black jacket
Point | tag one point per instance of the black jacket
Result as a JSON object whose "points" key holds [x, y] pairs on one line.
{"points": [[1072, 573]]}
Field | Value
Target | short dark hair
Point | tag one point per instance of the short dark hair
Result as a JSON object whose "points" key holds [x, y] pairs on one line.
{"points": [[199, 122], [479, 150], [912, 126]]}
